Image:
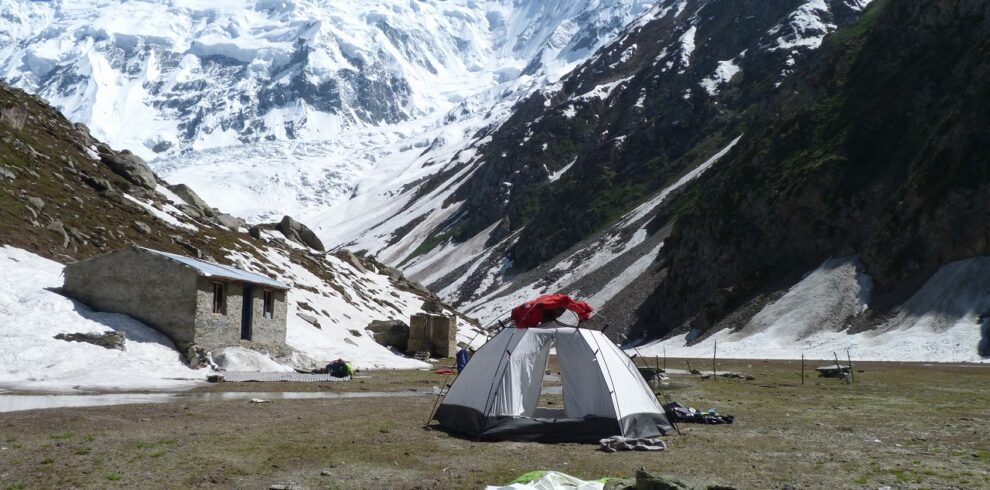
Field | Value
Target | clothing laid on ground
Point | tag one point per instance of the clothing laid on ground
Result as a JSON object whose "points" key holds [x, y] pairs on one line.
{"points": [[679, 413]]}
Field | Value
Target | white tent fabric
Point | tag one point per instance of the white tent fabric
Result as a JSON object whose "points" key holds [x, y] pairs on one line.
{"points": [[497, 394]]}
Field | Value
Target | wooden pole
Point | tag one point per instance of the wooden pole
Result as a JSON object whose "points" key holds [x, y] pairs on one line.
{"points": [[852, 377], [802, 368], [840, 367], [714, 353], [665, 358]]}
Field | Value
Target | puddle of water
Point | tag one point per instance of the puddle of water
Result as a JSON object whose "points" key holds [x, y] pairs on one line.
{"points": [[13, 403]]}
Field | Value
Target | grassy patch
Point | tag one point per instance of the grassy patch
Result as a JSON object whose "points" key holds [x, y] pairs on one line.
{"points": [[826, 431]]}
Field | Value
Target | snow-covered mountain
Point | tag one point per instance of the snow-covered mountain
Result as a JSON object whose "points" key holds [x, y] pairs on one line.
{"points": [[162, 77], [496, 149], [672, 86]]}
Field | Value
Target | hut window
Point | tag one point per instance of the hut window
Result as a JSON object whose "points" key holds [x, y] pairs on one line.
{"points": [[219, 298], [269, 307]]}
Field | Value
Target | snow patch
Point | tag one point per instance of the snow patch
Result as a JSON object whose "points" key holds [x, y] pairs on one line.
{"points": [[31, 359], [940, 323], [723, 74]]}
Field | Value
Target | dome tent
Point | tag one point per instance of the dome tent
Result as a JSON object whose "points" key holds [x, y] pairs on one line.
{"points": [[496, 396]]}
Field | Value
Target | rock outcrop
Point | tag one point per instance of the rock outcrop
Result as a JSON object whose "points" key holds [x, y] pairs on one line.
{"points": [[299, 233], [390, 333], [107, 340], [130, 167]]}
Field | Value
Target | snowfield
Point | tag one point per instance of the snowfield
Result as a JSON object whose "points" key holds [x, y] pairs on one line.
{"points": [[31, 359], [31, 314], [945, 321]]}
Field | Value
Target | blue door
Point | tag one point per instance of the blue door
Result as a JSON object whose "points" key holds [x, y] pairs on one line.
{"points": [[247, 312]]}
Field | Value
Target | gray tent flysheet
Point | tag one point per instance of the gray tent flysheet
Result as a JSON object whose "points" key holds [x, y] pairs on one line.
{"points": [[496, 396]]}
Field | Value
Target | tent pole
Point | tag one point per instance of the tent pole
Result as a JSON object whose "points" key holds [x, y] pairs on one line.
{"points": [[436, 402]]}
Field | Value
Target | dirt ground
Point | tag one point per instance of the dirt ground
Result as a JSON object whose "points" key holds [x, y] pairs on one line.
{"points": [[898, 425]]}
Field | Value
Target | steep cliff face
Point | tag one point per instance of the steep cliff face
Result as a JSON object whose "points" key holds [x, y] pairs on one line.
{"points": [[877, 148]]}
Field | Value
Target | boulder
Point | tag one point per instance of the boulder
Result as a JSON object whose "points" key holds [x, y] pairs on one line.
{"points": [[107, 340], [143, 228], [310, 319], [36, 202], [299, 233], [97, 183], [432, 305], [390, 333], [229, 221], [130, 167], [191, 211], [57, 227], [191, 198], [351, 258]]}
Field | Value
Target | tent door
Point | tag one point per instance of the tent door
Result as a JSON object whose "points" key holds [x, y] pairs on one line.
{"points": [[247, 317]]}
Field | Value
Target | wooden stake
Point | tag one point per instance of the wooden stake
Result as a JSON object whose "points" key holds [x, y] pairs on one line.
{"points": [[840, 367], [852, 377], [802, 368], [714, 353], [665, 358]]}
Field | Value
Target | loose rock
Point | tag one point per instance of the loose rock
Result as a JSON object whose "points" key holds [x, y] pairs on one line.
{"points": [[107, 340]]}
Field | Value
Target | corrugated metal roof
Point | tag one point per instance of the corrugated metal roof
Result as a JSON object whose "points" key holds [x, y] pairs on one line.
{"points": [[217, 270]]}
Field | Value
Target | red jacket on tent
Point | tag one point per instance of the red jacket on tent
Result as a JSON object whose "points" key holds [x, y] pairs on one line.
{"points": [[531, 313]]}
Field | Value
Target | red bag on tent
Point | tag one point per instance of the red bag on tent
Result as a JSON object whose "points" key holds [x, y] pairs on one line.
{"points": [[531, 313]]}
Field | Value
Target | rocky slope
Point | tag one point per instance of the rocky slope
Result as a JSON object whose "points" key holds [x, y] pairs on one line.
{"points": [[877, 148], [67, 196], [693, 178], [554, 184]]}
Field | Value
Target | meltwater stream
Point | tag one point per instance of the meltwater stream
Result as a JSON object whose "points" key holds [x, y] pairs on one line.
{"points": [[14, 403]]}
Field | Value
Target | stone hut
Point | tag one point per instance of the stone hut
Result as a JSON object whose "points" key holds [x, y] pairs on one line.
{"points": [[193, 302]]}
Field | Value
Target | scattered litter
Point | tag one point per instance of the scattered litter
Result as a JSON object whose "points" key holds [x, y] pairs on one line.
{"points": [[259, 400], [619, 443]]}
